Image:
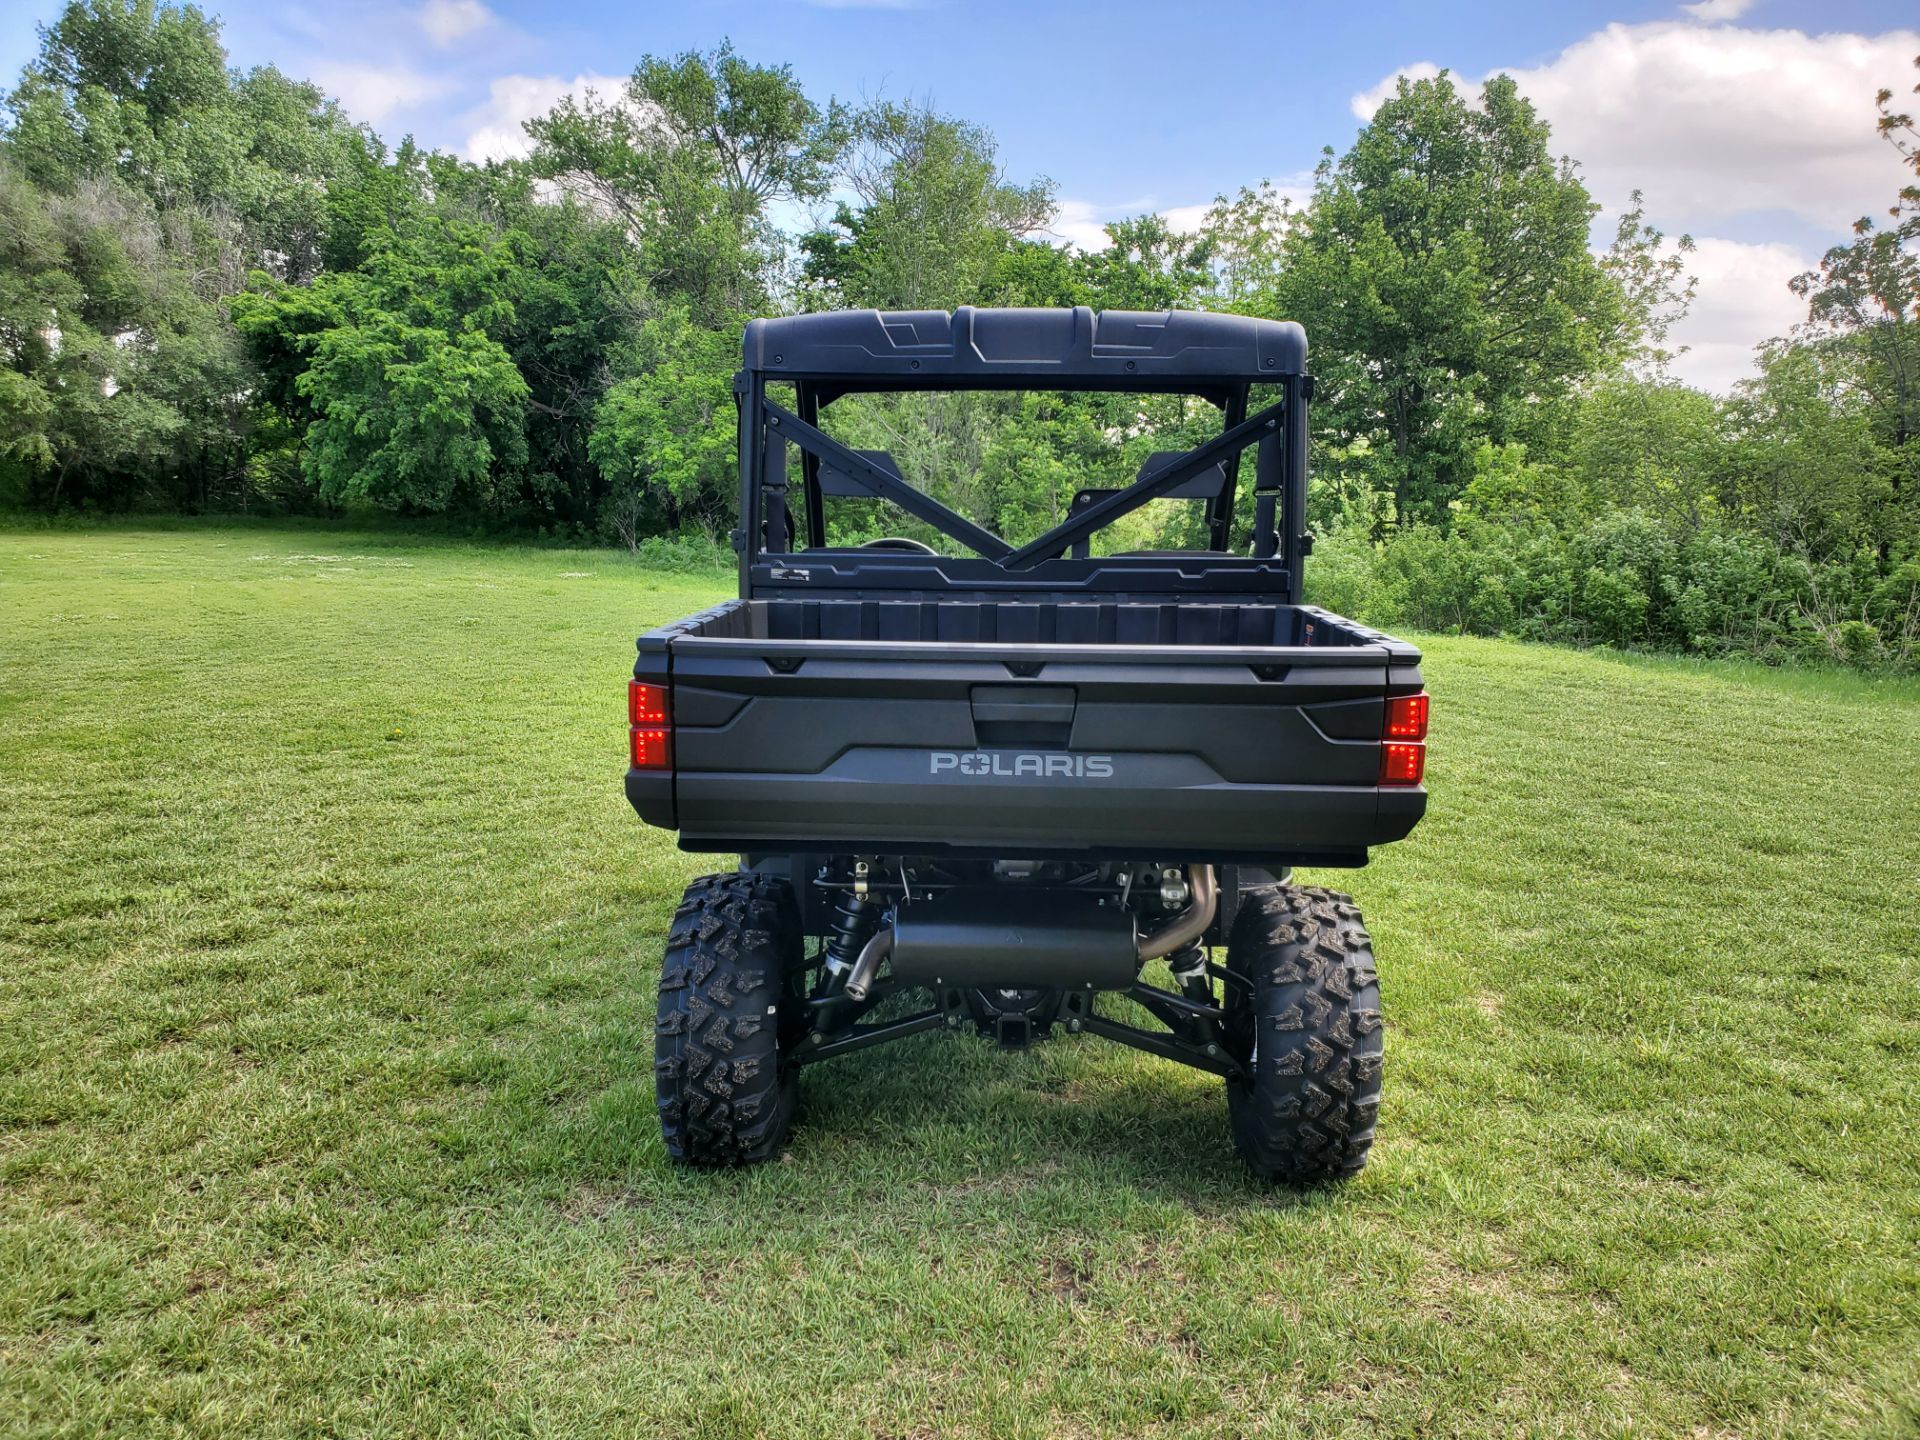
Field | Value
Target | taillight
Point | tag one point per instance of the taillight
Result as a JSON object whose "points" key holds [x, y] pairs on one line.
{"points": [[1403, 732], [649, 726], [1401, 763], [1406, 717]]}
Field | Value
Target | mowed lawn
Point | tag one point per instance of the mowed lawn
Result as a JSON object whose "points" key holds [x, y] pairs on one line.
{"points": [[327, 951]]}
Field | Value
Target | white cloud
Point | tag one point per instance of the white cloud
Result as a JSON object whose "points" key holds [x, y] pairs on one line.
{"points": [[1371, 99], [1186, 219], [1081, 223], [1713, 121], [1714, 10], [1742, 300], [512, 99], [1078, 223], [373, 92], [446, 21]]}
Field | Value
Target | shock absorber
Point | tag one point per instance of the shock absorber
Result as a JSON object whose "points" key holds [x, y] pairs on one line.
{"points": [[853, 916], [1189, 967]]}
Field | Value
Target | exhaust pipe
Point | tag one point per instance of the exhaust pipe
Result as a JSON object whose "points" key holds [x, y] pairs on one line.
{"points": [[1190, 924], [860, 979]]}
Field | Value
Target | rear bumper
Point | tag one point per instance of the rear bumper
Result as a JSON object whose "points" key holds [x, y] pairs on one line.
{"points": [[892, 802]]}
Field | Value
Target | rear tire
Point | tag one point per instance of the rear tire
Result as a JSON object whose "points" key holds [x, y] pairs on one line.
{"points": [[726, 1092], [1304, 1019]]}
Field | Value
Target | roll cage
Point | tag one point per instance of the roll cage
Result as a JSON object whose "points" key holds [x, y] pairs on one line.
{"points": [[1217, 358]]}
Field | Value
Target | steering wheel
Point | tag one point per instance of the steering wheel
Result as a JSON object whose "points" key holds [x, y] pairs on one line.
{"points": [[898, 542]]}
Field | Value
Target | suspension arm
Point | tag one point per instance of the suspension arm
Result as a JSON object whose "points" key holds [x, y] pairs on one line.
{"points": [[1168, 1047], [859, 1037]]}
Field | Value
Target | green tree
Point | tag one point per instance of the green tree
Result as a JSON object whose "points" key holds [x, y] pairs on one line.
{"points": [[664, 437], [578, 298], [1444, 273], [1806, 465], [1647, 444], [1869, 292], [1246, 238], [936, 221], [123, 383], [414, 406], [688, 157], [1147, 265], [769, 140], [161, 178], [118, 88], [1655, 285], [141, 91]]}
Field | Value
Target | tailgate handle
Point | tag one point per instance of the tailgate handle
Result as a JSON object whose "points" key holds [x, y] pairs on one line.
{"points": [[1023, 715]]}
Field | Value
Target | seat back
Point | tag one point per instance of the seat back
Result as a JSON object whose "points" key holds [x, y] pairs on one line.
{"points": [[1209, 484], [834, 481]]}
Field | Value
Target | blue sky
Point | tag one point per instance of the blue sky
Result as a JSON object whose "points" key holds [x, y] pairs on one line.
{"points": [[1748, 123]]}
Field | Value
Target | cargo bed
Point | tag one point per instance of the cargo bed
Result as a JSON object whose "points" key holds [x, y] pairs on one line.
{"points": [[1094, 727]]}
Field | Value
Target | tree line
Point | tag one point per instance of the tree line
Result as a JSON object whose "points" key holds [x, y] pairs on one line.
{"points": [[219, 293]]}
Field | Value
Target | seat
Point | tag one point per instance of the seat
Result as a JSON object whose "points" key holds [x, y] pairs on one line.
{"points": [[1209, 484], [834, 481]]}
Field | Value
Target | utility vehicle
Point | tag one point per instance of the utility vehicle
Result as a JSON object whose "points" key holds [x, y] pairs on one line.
{"points": [[1023, 787]]}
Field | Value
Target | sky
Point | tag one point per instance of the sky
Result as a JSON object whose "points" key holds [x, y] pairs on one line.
{"points": [[1748, 124]]}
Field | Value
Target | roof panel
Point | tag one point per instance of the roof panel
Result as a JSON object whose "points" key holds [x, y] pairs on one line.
{"points": [[996, 345]]}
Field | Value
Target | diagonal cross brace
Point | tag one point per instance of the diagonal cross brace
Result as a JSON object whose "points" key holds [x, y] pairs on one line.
{"points": [[887, 486], [1150, 486]]}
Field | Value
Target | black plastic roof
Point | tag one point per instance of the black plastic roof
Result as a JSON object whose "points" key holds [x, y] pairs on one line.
{"points": [[1121, 348]]}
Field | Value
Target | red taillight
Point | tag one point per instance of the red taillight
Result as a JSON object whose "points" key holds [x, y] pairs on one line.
{"points": [[1402, 763], [649, 726], [1403, 756], [652, 747], [646, 704], [1406, 717]]}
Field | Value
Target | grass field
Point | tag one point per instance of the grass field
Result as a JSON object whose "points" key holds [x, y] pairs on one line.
{"points": [[327, 945]]}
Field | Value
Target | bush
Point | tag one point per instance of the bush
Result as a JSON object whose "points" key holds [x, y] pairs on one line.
{"points": [[1342, 574], [688, 550], [1627, 578]]}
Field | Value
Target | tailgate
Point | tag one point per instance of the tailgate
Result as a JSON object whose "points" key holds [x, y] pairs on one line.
{"points": [[1194, 752]]}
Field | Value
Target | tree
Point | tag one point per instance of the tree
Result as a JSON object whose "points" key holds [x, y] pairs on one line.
{"points": [[1246, 238], [664, 438], [1147, 265], [688, 157], [123, 383], [1444, 273], [414, 406], [141, 92], [1805, 466], [936, 220], [578, 298], [116, 89], [1869, 290], [1651, 445], [149, 180], [1654, 283], [770, 141]]}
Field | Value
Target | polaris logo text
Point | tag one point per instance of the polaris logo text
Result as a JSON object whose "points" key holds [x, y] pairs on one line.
{"points": [[1024, 767]]}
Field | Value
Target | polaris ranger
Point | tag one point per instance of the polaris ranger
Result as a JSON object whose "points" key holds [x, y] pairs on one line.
{"points": [[1025, 787]]}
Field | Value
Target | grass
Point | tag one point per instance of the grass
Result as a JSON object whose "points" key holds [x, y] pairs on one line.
{"points": [[327, 944]]}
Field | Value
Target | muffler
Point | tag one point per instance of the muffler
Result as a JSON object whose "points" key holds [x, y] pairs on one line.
{"points": [[1003, 938]]}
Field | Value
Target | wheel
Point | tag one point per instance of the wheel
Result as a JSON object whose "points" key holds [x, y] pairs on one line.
{"points": [[725, 1090], [899, 542], [1304, 1020]]}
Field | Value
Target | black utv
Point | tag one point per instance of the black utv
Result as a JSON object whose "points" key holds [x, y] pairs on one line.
{"points": [[1021, 787]]}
